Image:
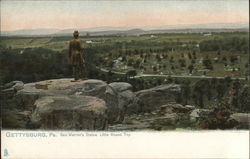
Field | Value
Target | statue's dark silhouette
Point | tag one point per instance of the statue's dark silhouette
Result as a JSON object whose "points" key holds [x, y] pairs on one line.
{"points": [[76, 59]]}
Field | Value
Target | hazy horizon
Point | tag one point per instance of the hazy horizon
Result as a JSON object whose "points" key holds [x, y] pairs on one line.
{"points": [[19, 15], [132, 26]]}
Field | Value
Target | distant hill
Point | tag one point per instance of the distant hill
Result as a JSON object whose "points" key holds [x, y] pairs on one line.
{"points": [[29, 32], [133, 30]]}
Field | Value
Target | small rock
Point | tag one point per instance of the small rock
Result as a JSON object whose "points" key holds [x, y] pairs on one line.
{"points": [[242, 118], [191, 107], [154, 113], [197, 113], [174, 108]]}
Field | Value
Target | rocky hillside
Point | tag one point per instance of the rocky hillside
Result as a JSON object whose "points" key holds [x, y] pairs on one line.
{"points": [[94, 105]]}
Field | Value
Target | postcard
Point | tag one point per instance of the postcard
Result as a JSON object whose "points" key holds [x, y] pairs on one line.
{"points": [[124, 79]]}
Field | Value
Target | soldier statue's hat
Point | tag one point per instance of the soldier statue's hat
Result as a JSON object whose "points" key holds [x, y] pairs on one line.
{"points": [[76, 32]]}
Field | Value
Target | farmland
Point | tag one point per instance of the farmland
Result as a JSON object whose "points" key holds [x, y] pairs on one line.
{"points": [[184, 54]]}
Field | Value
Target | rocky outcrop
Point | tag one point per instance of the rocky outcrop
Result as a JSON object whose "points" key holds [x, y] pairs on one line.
{"points": [[63, 104], [88, 105], [72, 112], [166, 117], [100, 89], [152, 98], [96, 105]]}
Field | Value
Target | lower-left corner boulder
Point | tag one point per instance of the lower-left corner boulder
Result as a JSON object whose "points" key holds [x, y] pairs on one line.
{"points": [[69, 112], [15, 119]]}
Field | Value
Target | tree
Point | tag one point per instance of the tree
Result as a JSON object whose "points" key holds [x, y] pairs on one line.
{"points": [[233, 59], [221, 89], [194, 53], [208, 64], [193, 61], [130, 62], [201, 88], [190, 68], [224, 59], [154, 68], [244, 99], [111, 64], [172, 68], [131, 73], [236, 93], [189, 56], [137, 63], [186, 91], [172, 57], [182, 63], [218, 53], [164, 66]]}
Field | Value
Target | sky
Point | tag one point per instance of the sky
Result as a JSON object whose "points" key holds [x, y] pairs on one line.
{"points": [[64, 14]]}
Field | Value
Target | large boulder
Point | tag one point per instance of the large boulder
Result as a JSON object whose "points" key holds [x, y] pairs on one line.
{"points": [[102, 90], [23, 98], [127, 99], [26, 97], [92, 87], [70, 112], [152, 99], [96, 88]]}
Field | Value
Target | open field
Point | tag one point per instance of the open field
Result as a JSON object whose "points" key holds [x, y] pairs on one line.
{"points": [[163, 54]]}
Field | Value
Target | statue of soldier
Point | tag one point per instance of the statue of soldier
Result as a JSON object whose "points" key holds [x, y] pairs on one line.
{"points": [[76, 59]]}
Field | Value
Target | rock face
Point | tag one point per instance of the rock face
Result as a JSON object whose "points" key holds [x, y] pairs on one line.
{"points": [[167, 117], [70, 112], [96, 105], [102, 90], [152, 98], [89, 105], [127, 99], [62, 104]]}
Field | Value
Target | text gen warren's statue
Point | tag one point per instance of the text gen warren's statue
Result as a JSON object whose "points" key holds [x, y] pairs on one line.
{"points": [[76, 59]]}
